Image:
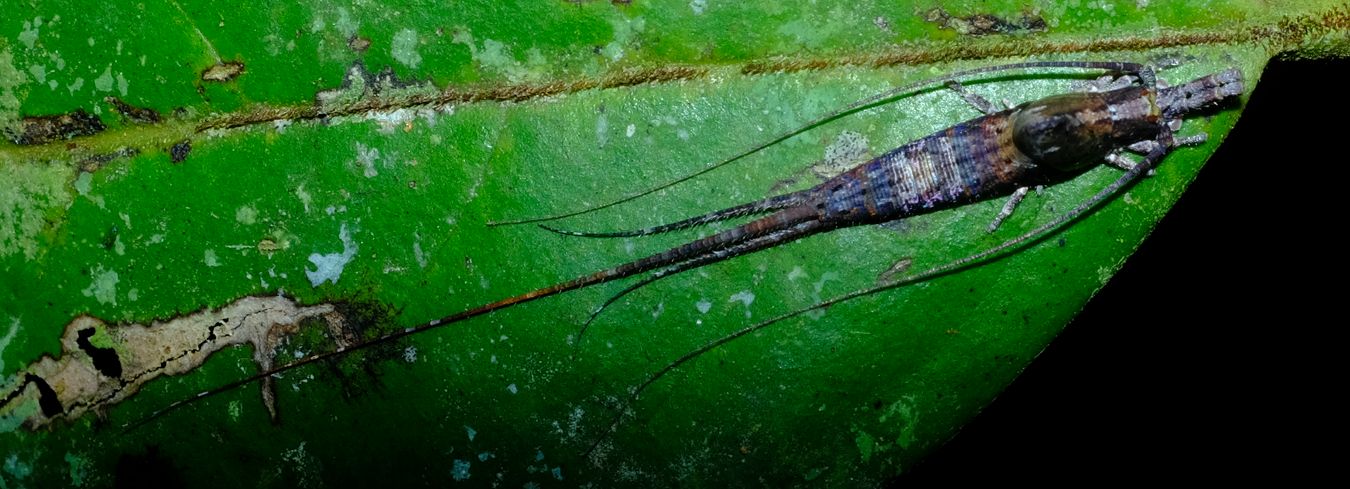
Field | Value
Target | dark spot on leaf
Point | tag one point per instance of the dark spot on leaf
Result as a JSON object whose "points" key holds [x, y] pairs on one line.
{"points": [[110, 238], [223, 72], [93, 163], [1061, 242], [877, 404], [45, 129], [105, 359], [180, 150], [362, 320], [47, 398], [147, 470], [372, 84], [985, 24], [140, 115]]}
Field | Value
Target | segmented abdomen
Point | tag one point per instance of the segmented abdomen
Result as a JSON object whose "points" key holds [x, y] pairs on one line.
{"points": [[964, 163]]}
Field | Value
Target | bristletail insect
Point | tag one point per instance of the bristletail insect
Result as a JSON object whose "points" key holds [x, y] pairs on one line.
{"points": [[1001, 153]]}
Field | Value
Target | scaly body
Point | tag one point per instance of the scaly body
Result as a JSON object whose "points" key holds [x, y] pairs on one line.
{"points": [[1041, 142]]}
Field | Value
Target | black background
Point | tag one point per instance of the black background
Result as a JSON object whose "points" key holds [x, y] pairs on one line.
{"points": [[1213, 355]]}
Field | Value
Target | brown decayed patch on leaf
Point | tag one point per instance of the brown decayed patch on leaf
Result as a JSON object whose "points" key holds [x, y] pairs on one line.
{"points": [[358, 44], [93, 162], [45, 129], [985, 24], [140, 115], [223, 72], [146, 352]]}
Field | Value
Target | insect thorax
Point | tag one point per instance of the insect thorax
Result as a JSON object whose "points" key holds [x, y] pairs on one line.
{"points": [[1073, 131]]}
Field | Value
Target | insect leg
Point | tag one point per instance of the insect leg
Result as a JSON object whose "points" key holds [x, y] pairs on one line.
{"points": [[1191, 140], [974, 99], [1008, 207], [770, 204], [1159, 150], [867, 102], [748, 246]]}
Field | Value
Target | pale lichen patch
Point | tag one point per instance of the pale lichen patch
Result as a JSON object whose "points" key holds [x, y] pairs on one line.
{"points": [[80, 467], [146, 352], [404, 48], [31, 30], [103, 287], [39, 73], [460, 470], [246, 215], [496, 56], [745, 297], [17, 469], [698, 6], [365, 159], [28, 193], [304, 197], [848, 150], [418, 254], [4, 341], [602, 129], [345, 24], [10, 98], [104, 82], [328, 267]]}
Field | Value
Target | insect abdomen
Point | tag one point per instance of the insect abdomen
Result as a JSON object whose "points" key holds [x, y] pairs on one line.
{"points": [[967, 162]]}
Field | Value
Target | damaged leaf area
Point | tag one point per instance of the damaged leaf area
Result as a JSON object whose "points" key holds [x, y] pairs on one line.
{"points": [[192, 194], [46, 129], [87, 377]]}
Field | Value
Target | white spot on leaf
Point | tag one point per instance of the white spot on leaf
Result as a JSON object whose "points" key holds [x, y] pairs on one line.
{"points": [[104, 82], [31, 31], [460, 471], [328, 268], [104, 286], [404, 48]]}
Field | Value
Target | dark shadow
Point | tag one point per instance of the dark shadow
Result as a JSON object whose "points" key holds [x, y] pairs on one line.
{"points": [[1209, 356]]}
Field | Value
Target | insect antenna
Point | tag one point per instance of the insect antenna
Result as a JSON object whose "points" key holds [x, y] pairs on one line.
{"points": [[868, 102], [1155, 154]]}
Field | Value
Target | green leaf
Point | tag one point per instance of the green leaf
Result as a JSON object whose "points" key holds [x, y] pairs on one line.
{"points": [[348, 158]]}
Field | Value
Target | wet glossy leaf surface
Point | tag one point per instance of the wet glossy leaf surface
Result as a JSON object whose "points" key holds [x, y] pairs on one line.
{"points": [[355, 157]]}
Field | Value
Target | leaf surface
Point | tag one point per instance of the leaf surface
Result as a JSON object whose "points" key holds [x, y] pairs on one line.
{"points": [[351, 156]]}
